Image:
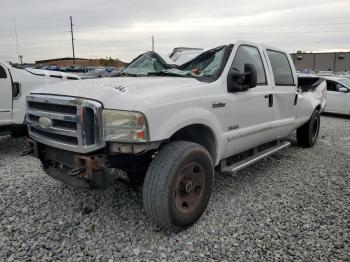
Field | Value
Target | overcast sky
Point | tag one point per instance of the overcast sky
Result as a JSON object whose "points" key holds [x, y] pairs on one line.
{"points": [[123, 28]]}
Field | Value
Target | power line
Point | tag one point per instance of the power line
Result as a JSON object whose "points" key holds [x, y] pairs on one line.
{"points": [[214, 32], [345, 41], [215, 26], [178, 33], [33, 28]]}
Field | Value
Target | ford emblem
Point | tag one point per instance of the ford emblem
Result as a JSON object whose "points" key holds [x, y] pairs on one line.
{"points": [[45, 122]]}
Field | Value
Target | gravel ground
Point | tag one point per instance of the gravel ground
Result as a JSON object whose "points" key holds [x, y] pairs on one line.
{"points": [[291, 206]]}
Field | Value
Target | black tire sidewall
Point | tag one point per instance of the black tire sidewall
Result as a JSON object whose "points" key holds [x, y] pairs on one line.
{"points": [[315, 117], [199, 156]]}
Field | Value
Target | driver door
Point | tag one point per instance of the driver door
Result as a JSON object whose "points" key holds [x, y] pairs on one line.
{"points": [[5, 96], [251, 112]]}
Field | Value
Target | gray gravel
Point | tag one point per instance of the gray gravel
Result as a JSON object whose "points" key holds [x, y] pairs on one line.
{"points": [[291, 206]]}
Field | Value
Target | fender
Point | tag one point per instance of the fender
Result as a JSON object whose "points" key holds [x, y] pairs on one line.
{"points": [[186, 117]]}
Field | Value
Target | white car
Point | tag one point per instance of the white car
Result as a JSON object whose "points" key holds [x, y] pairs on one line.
{"points": [[15, 85], [338, 95], [171, 125]]}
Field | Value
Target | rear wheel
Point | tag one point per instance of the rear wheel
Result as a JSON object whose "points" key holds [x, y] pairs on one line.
{"points": [[308, 133], [178, 185]]}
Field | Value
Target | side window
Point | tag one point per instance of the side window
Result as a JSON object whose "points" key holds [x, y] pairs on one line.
{"points": [[250, 55], [331, 86], [2, 72], [281, 68]]}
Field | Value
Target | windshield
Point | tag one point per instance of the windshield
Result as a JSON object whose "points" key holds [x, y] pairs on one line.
{"points": [[345, 82], [206, 65], [147, 64]]}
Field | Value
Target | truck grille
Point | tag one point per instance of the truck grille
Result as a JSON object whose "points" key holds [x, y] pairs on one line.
{"points": [[65, 122], [53, 108]]}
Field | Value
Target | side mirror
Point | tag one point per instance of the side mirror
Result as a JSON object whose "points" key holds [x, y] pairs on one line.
{"points": [[343, 89], [239, 82]]}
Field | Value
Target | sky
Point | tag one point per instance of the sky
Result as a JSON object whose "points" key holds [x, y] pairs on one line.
{"points": [[123, 28]]}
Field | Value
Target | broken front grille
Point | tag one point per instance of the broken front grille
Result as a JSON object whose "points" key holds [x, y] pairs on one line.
{"points": [[65, 122]]}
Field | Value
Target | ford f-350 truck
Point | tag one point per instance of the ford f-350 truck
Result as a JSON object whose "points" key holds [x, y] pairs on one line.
{"points": [[15, 85], [170, 126]]}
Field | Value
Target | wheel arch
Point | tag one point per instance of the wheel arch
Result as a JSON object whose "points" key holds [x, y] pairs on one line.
{"points": [[200, 134], [318, 108]]}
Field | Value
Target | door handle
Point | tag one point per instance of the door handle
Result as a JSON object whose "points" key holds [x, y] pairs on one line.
{"points": [[270, 97]]}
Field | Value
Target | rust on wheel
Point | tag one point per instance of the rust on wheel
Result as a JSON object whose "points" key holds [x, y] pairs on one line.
{"points": [[189, 188]]}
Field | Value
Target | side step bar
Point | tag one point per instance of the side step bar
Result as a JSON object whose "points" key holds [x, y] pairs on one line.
{"points": [[226, 170]]}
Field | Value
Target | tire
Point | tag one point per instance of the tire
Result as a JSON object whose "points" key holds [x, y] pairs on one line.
{"points": [[308, 133], [178, 185]]}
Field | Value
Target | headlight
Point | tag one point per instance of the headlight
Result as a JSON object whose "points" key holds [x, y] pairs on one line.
{"points": [[124, 126]]}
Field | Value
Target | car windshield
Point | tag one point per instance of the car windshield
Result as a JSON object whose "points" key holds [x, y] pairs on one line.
{"points": [[147, 64], [205, 65], [345, 82]]}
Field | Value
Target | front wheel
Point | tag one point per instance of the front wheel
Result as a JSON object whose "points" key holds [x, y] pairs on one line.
{"points": [[178, 185], [308, 133]]}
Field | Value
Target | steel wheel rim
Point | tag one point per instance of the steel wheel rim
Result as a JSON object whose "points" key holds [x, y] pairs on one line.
{"points": [[189, 188]]}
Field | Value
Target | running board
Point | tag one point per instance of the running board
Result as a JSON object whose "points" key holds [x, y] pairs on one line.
{"points": [[253, 159]]}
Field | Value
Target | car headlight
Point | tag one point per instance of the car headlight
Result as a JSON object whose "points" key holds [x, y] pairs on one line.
{"points": [[124, 126]]}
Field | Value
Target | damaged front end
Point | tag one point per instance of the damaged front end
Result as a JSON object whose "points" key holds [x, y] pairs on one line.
{"points": [[80, 171]]}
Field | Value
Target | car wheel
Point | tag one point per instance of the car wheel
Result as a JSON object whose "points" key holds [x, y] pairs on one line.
{"points": [[307, 134], [178, 185]]}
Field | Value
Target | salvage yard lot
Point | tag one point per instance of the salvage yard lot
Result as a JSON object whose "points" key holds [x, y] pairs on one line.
{"points": [[294, 205]]}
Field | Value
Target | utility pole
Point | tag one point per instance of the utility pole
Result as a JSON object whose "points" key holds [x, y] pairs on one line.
{"points": [[14, 24], [21, 58], [72, 34], [152, 43]]}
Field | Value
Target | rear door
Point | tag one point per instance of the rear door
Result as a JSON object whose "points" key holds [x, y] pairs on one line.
{"points": [[284, 90], [5, 95], [337, 102]]}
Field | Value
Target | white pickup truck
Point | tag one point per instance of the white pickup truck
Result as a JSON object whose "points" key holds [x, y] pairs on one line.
{"points": [[15, 85], [172, 125]]}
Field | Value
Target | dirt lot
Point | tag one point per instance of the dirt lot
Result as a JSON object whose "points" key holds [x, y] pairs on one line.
{"points": [[294, 205]]}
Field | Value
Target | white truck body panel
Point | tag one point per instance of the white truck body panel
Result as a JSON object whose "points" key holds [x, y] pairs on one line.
{"points": [[171, 103], [13, 110], [5, 97]]}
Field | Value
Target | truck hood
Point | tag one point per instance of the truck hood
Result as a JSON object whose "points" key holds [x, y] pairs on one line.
{"points": [[123, 92]]}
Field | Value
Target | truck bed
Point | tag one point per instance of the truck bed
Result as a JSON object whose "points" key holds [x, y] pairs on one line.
{"points": [[309, 83]]}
